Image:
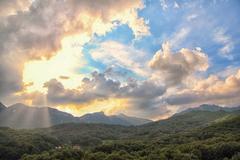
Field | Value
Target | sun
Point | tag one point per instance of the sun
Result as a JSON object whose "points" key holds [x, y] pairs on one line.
{"points": [[62, 66]]}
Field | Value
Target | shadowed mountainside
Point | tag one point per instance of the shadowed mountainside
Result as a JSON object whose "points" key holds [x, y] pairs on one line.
{"points": [[22, 116]]}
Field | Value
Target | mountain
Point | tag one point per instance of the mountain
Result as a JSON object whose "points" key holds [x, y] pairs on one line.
{"points": [[193, 118], [210, 108], [22, 116], [100, 117], [134, 120], [121, 119], [2, 107]]}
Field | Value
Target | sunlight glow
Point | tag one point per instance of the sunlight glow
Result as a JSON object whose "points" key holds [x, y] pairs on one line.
{"points": [[108, 106], [63, 64]]}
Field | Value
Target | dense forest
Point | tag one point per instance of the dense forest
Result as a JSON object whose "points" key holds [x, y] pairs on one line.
{"points": [[196, 135]]}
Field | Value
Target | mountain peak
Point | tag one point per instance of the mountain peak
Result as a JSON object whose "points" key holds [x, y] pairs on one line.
{"points": [[2, 107], [120, 119], [122, 115], [37, 117], [210, 108], [99, 113]]}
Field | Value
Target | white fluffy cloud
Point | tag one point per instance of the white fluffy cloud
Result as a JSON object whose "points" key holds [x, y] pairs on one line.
{"points": [[173, 68]]}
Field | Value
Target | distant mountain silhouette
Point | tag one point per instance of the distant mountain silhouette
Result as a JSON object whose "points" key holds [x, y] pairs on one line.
{"points": [[121, 119], [22, 116]]}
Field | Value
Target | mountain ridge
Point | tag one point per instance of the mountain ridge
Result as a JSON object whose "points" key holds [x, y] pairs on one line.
{"points": [[187, 120], [209, 107], [22, 116], [2, 107]]}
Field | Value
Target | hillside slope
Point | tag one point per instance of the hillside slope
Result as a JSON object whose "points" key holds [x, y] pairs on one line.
{"points": [[218, 140], [22, 116]]}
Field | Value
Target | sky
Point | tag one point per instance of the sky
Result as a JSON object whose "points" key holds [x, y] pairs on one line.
{"points": [[144, 58]]}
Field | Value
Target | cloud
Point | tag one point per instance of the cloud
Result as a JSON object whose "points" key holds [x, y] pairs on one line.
{"points": [[141, 95], [9, 76], [114, 53], [178, 37], [10, 7], [35, 31], [192, 17], [163, 4], [213, 84], [229, 70], [210, 90], [176, 5], [32, 99], [97, 88], [222, 38], [173, 68], [100, 87]]}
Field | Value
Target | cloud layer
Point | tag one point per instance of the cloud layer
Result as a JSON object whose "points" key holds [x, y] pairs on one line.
{"points": [[210, 90], [35, 31], [99, 87]]}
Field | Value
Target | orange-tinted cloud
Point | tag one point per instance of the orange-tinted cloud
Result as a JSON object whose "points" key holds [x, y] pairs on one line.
{"points": [[210, 90]]}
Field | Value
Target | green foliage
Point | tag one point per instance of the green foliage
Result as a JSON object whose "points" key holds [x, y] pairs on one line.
{"points": [[57, 154], [88, 135], [218, 140], [14, 143]]}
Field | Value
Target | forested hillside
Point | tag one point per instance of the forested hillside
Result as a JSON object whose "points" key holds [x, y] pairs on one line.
{"points": [[198, 135]]}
